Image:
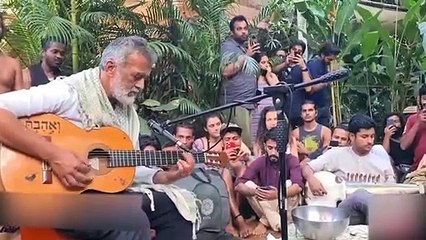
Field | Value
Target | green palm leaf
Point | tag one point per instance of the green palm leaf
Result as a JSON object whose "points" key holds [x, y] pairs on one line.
{"points": [[164, 49]]}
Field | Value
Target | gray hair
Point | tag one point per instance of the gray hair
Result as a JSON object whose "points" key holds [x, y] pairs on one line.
{"points": [[119, 49]]}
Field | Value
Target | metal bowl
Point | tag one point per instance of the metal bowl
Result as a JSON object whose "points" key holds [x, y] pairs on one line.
{"points": [[317, 222]]}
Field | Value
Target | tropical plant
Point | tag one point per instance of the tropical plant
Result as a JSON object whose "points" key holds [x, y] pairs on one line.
{"points": [[386, 66], [185, 34]]}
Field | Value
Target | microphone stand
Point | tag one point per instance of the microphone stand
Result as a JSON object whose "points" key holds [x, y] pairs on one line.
{"points": [[279, 93]]}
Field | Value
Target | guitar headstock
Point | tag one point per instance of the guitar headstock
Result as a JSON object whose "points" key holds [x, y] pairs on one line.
{"points": [[216, 159]]}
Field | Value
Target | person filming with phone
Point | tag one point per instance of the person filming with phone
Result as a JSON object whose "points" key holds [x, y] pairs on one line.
{"points": [[402, 159], [259, 184], [414, 135], [238, 84], [293, 70]]}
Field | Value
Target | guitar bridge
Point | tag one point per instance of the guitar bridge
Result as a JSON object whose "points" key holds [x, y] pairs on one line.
{"points": [[46, 173]]}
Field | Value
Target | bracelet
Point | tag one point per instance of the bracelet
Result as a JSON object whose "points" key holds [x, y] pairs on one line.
{"points": [[239, 215], [304, 70]]}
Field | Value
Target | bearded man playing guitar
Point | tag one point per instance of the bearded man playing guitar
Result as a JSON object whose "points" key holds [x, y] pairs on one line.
{"points": [[94, 98]]}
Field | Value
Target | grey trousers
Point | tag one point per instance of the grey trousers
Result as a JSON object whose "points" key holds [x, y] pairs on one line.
{"points": [[357, 206]]}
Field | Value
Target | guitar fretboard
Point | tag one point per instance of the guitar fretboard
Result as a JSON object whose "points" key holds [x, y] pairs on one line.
{"points": [[133, 158]]}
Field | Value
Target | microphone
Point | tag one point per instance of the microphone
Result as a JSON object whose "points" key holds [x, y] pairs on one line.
{"points": [[156, 127], [331, 76], [326, 78]]}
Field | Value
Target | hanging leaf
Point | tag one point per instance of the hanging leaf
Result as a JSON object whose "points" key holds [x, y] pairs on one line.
{"points": [[151, 103], [344, 15], [172, 105], [369, 43]]}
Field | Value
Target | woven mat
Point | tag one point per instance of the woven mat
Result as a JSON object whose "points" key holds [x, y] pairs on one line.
{"points": [[356, 232]]}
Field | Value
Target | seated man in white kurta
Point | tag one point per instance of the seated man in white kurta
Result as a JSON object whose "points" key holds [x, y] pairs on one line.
{"points": [[103, 96], [362, 162]]}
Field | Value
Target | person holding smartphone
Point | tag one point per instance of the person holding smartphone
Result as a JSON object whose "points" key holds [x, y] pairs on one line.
{"points": [[293, 70], [239, 84], [339, 137], [402, 159], [414, 135], [259, 185]]}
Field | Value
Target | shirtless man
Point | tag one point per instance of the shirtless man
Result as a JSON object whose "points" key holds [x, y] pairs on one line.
{"points": [[11, 74]]}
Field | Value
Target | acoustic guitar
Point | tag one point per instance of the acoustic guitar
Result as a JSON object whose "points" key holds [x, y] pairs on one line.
{"points": [[109, 150], [338, 190]]}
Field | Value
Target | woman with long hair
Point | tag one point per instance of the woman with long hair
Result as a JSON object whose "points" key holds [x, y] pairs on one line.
{"points": [[266, 78], [269, 119]]}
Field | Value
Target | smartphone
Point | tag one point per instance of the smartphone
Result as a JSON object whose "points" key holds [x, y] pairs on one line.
{"points": [[232, 145], [253, 39], [389, 122], [266, 188], [334, 143]]}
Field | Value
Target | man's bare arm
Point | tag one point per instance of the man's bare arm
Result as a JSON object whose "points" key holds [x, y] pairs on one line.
{"points": [[245, 190], [293, 190], [18, 81], [279, 68], [326, 137], [306, 77], [232, 69], [26, 76], [13, 134], [317, 87], [307, 172]]}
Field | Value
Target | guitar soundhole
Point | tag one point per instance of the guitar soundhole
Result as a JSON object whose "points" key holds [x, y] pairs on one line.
{"points": [[98, 159]]}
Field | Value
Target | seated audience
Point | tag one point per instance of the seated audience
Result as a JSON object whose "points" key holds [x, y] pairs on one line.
{"points": [[339, 138], [212, 141], [359, 163], [213, 128], [149, 143], [415, 130], [184, 132], [402, 159], [312, 137], [268, 120], [341, 135], [259, 185]]}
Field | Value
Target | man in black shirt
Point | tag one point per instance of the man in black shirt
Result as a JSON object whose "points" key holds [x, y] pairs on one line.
{"points": [[320, 93], [49, 67]]}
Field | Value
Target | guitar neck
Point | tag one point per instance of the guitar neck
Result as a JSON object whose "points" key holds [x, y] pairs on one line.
{"points": [[134, 158]]}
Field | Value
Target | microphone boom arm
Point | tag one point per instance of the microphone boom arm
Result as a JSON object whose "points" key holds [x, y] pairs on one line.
{"points": [[271, 91]]}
